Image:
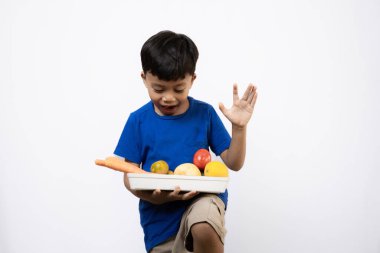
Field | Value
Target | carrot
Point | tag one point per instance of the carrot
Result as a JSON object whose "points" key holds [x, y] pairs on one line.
{"points": [[119, 165]]}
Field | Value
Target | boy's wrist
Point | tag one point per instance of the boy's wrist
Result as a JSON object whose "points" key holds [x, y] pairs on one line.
{"points": [[238, 128]]}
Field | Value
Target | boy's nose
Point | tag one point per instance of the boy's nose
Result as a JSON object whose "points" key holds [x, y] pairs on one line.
{"points": [[168, 98]]}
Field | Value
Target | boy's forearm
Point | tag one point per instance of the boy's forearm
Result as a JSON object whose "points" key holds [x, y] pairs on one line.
{"points": [[235, 156], [144, 195]]}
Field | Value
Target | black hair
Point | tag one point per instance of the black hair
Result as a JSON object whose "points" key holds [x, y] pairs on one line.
{"points": [[169, 56]]}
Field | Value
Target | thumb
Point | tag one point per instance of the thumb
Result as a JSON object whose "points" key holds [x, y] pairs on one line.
{"points": [[222, 108], [156, 192]]}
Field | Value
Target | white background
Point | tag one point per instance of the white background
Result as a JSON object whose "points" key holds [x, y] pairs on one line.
{"points": [[69, 77]]}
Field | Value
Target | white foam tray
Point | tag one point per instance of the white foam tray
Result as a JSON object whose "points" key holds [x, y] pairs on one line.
{"points": [[169, 182]]}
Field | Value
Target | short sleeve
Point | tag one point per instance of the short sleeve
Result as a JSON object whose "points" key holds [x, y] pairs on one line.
{"points": [[220, 139], [128, 144]]}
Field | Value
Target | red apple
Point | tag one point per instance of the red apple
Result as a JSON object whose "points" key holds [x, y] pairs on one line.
{"points": [[201, 158]]}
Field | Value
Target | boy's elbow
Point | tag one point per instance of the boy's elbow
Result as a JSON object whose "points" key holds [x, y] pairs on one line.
{"points": [[236, 167], [232, 161]]}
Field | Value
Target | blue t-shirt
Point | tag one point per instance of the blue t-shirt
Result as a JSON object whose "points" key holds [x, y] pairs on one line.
{"points": [[148, 137]]}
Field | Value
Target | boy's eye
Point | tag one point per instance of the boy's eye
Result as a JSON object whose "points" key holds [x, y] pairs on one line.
{"points": [[158, 90], [179, 91]]}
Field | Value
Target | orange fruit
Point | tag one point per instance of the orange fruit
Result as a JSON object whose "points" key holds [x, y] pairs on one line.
{"points": [[216, 169], [160, 167]]}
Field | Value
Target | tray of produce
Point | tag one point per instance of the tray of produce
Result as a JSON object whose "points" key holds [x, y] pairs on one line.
{"points": [[202, 175]]}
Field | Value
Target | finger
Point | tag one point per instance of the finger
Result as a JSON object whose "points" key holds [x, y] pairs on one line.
{"points": [[235, 95], [254, 99], [247, 92], [156, 192], [251, 94], [191, 194], [100, 162], [254, 95], [176, 191]]}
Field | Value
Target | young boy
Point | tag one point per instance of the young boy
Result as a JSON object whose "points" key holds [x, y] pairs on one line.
{"points": [[172, 127]]}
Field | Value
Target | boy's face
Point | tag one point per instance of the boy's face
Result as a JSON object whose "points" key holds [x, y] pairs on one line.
{"points": [[168, 97]]}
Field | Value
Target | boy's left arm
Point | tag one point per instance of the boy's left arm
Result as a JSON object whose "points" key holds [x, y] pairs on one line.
{"points": [[239, 115]]}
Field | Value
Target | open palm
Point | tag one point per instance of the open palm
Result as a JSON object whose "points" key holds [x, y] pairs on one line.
{"points": [[242, 108]]}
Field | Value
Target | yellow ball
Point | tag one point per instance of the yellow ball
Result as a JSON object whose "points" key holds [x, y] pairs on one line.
{"points": [[216, 169]]}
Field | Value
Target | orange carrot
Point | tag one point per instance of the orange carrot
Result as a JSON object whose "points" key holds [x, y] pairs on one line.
{"points": [[119, 165]]}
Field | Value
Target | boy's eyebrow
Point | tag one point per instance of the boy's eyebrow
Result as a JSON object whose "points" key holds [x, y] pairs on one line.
{"points": [[158, 84], [163, 85]]}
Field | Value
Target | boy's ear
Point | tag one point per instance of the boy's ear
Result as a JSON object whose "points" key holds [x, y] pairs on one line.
{"points": [[143, 77], [193, 78]]}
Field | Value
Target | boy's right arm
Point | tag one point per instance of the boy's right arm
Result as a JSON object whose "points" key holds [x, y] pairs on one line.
{"points": [[157, 196]]}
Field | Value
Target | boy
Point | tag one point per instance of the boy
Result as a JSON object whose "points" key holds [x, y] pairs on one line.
{"points": [[172, 127]]}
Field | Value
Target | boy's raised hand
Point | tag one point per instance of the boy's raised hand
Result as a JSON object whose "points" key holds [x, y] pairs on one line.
{"points": [[242, 108]]}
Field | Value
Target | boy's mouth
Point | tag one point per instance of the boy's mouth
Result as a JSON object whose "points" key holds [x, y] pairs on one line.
{"points": [[168, 110]]}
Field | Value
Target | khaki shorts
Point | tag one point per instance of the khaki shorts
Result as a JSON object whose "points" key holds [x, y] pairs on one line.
{"points": [[207, 208]]}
